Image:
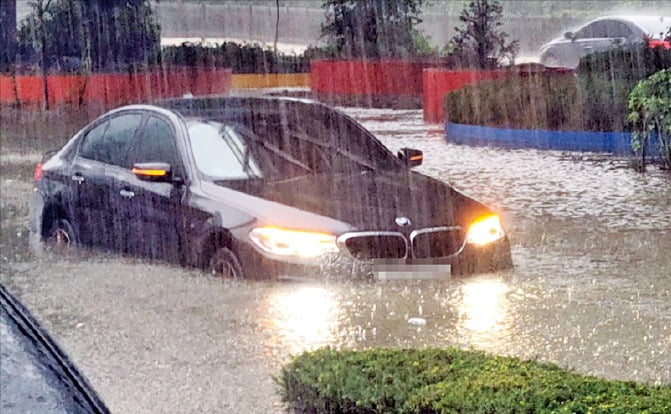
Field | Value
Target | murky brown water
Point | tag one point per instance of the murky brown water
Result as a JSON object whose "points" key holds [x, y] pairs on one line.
{"points": [[591, 289]]}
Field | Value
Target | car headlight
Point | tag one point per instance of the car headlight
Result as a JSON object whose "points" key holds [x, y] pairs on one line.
{"points": [[285, 242], [485, 230]]}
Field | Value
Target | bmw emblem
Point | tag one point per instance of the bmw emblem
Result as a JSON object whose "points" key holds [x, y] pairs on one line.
{"points": [[402, 221]]}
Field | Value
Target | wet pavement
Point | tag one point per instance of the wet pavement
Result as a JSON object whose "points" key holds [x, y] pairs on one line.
{"points": [[591, 288]]}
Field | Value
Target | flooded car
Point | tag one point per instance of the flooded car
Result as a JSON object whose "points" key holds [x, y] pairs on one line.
{"points": [[36, 375], [257, 187], [604, 33]]}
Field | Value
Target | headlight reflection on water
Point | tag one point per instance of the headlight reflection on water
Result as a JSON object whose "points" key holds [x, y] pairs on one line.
{"points": [[484, 312], [302, 317]]}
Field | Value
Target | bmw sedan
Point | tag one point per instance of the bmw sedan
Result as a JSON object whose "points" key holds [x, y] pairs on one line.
{"points": [[257, 187], [602, 34]]}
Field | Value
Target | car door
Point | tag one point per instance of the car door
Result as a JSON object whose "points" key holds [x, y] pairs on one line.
{"points": [[117, 142], [619, 34], [88, 187], [156, 222], [592, 38], [101, 158]]}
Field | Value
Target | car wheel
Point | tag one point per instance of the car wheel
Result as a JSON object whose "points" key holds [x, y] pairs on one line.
{"points": [[225, 263], [61, 236]]}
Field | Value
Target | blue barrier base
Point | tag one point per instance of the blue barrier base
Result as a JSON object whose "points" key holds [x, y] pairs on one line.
{"points": [[618, 143]]}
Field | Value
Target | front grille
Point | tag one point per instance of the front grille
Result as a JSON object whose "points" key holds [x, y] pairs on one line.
{"points": [[437, 242], [375, 245]]}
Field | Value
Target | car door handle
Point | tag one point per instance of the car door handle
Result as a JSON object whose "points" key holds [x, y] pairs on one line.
{"points": [[588, 47], [127, 193], [78, 178]]}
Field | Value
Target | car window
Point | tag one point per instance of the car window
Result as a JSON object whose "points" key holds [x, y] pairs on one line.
{"points": [[112, 147], [93, 146], [157, 143], [594, 30], [618, 29], [34, 375], [223, 152]]}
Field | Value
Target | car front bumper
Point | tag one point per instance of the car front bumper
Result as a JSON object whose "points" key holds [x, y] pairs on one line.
{"points": [[471, 259]]}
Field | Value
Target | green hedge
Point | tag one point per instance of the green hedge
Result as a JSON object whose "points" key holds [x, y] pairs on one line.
{"points": [[607, 78], [453, 381], [241, 58], [594, 99], [529, 101]]}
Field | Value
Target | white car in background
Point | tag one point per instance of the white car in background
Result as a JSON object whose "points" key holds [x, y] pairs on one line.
{"points": [[602, 34]]}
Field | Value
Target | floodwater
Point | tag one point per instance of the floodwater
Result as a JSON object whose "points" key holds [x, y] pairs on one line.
{"points": [[591, 288]]}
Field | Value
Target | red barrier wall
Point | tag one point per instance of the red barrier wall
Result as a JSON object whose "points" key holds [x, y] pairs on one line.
{"points": [[114, 89], [358, 77], [438, 82]]}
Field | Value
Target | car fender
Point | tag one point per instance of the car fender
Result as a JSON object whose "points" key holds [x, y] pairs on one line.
{"points": [[213, 226]]}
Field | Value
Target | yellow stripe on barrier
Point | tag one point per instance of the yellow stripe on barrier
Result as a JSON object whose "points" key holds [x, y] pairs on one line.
{"points": [[270, 80]]}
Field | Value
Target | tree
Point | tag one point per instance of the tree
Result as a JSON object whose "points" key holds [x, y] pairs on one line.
{"points": [[481, 43], [96, 34], [7, 34], [373, 28]]}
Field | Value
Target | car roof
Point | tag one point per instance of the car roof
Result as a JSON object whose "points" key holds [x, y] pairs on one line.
{"points": [[652, 26], [197, 107]]}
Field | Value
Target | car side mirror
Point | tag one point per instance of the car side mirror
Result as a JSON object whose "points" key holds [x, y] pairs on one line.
{"points": [[411, 157], [153, 171], [569, 35]]}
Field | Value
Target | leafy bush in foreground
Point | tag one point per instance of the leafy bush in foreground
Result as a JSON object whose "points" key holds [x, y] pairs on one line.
{"points": [[453, 381], [650, 105]]}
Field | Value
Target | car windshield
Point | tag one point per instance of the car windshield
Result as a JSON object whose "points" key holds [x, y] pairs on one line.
{"points": [[230, 151]]}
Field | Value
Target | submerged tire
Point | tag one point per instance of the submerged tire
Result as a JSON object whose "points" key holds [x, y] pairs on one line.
{"points": [[61, 236], [225, 263]]}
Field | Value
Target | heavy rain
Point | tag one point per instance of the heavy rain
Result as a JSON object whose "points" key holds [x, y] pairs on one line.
{"points": [[590, 238]]}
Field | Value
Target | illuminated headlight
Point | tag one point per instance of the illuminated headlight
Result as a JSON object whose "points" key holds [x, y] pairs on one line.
{"points": [[285, 242], [485, 230]]}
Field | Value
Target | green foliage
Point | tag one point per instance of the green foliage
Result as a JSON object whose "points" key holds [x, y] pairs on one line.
{"points": [[92, 35], [521, 100], [650, 114], [453, 381], [246, 58], [606, 79], [481, 43], [373, 28]]}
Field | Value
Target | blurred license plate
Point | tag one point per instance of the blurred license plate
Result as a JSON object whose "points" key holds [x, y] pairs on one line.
{"points": [[406, 270]]}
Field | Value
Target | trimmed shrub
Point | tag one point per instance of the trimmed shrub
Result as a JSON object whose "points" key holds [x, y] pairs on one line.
{"points": [[596, 99], [453, 381], [527, 101], [607, 78], [241, 58]]}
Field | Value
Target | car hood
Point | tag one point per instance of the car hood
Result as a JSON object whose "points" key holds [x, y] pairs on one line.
{"points": [[370, 200]]}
